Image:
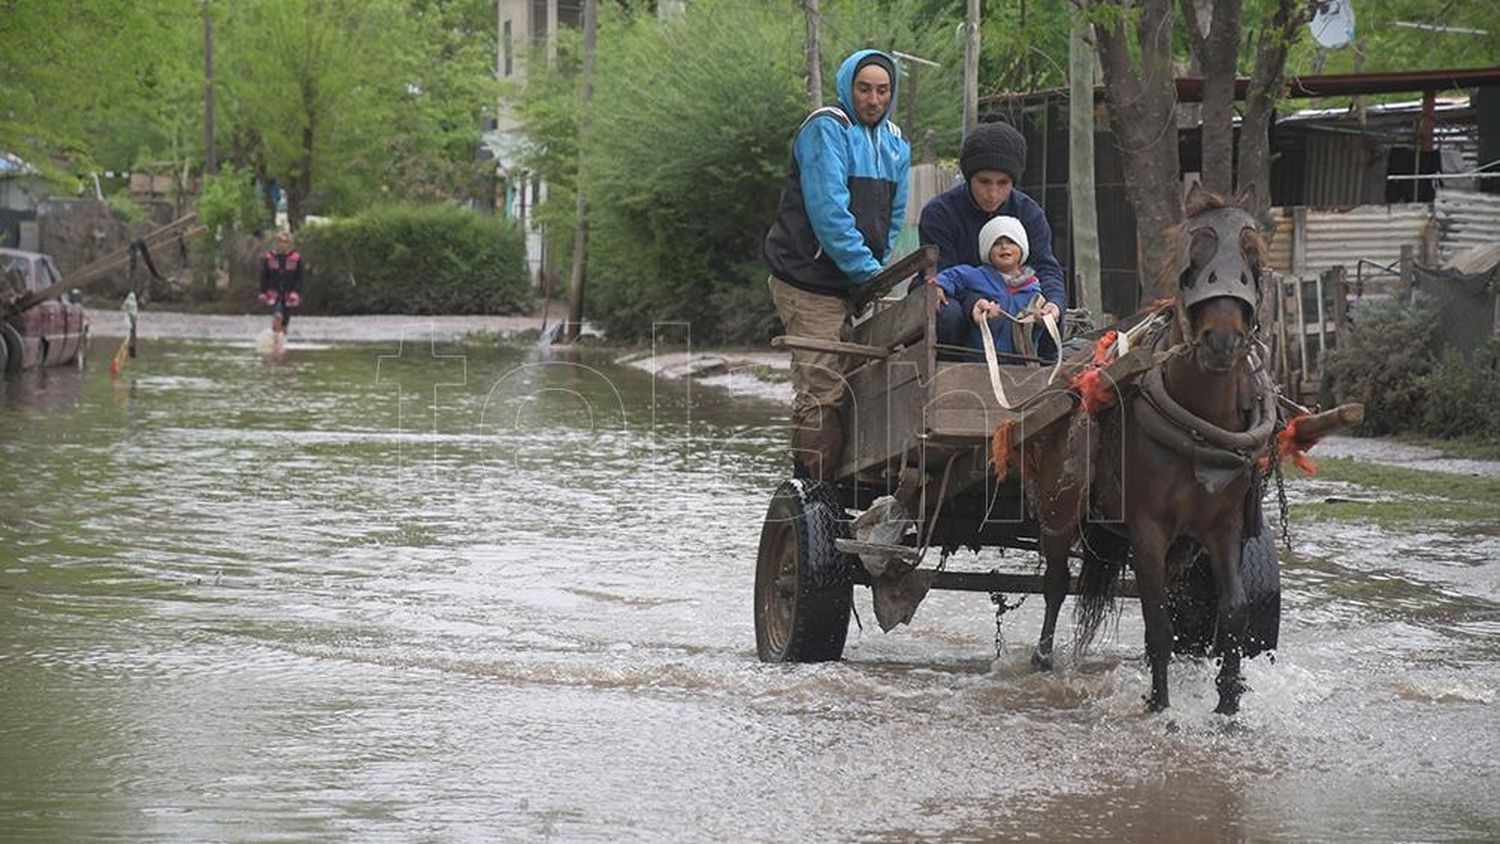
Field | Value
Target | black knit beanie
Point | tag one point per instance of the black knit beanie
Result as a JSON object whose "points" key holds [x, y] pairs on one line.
{"points": [[993, 146], [877, 59]]}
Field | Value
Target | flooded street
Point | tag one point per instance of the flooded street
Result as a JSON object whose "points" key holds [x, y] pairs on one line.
{"points": [[397, 590]]}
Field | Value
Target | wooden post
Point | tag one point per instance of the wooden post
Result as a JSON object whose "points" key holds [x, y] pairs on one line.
{"points": [[910, 95], [581, 222], [971, 67], [1408, 273], [1082, 210], [1339, 284], [1299, 239], [814, 54]]}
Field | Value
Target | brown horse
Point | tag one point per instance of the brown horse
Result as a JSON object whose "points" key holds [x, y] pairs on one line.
{"points": [[1176, 455]]}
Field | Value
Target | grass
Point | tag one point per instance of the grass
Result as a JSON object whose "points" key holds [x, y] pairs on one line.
{"points": [[1415, 495]]}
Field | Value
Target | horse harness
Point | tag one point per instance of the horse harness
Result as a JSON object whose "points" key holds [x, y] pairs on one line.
{"points": [[1219, 456]]}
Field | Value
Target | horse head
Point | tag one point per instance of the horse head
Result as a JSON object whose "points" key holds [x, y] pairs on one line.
{"points": [[1218, 288]]}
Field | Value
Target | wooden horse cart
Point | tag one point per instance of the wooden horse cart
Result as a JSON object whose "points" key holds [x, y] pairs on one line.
{"points": [[916, 475]]}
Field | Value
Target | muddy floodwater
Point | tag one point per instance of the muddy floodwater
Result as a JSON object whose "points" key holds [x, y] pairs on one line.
{"points": [[403, 591]]}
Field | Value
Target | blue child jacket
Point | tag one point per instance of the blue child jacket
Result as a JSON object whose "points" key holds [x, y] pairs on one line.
{"points": [[967, 285]]}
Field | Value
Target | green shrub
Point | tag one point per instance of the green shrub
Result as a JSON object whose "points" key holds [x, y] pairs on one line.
{"points": [[415, 260], [124, 209], [1383, 364], [1463, 394]]}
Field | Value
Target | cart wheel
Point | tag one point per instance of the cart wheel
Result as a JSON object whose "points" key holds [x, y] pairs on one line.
{"points": [[1193, 599], [803, 585]]}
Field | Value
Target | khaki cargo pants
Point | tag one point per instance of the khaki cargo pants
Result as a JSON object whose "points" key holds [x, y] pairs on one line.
{"points": [[817, 377]]}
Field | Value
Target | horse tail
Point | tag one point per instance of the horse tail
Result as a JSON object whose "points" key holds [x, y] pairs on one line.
{"points": [[1105, 554]]}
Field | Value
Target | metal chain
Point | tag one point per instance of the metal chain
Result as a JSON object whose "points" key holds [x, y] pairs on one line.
{"points": [[1001, 608]]}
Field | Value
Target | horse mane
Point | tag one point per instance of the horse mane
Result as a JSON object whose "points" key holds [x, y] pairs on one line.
{"points": [[1177, 242]]}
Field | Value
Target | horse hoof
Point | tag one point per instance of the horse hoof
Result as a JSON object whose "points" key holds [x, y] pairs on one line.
{"points": [[1153, 705], [1229, 696], [1041, 661]]}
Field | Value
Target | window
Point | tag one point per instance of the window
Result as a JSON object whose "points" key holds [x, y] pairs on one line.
{"points": [[46, 273]]}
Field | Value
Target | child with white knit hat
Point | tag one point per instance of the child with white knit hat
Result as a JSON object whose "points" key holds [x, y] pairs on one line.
{"points": [[1006, 284]]}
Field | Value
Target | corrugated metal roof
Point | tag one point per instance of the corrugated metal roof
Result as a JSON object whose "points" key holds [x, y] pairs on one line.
{"points": [[1465, 220], [1370, 232], [1343, 170]]}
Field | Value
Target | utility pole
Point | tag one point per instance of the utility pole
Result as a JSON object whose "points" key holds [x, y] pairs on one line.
{"points": [[210, 159], [581, 228], [552, 33], [971, 67], [1082, 211], [814, 54]]}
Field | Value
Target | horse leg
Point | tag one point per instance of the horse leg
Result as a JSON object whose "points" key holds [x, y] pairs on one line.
{"points": [[1062, 485], [1150, 578], [1223, 550], [1055, 581]]}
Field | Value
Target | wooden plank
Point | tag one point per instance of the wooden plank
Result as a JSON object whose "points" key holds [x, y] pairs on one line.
{"points": [[1042, 415], [922, 259], [901, 324], [881, 413], [961, 397], [788, 341]]}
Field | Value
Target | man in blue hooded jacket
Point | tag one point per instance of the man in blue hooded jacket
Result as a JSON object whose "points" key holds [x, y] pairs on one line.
{"points": [[840, 211], [992, 160]]}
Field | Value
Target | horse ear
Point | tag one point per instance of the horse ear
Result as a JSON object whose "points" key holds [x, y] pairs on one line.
{"points": [[1249, 198], [1195, 198]]}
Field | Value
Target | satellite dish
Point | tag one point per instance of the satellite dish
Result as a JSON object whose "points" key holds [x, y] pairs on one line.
{"points": [[1333, 26]]}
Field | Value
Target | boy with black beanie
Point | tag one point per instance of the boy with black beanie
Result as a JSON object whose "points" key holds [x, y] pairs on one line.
{"points": [[993, 159]]}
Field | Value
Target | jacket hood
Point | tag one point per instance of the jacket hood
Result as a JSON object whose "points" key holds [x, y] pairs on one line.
{"points": [[844, 82]]}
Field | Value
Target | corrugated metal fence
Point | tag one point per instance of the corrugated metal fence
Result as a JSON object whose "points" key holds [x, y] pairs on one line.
{"points": [[1373, 233], [1465, 220]]}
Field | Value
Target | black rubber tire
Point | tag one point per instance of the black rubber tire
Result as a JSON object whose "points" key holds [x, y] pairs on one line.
{"points": [[15, 354], [804, 586], [1193, 598]]}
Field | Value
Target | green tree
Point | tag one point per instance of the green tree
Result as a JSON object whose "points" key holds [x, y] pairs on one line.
{"points": [[79, 93], [692, 126]]}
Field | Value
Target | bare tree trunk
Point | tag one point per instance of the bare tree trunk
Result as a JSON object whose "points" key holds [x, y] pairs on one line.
{"points": [[581, 229], [1141, 106], [210, 158], [300, 187], [1082, 211], [971, 68], [1277, 36], [1217, 51], [814, 54]]}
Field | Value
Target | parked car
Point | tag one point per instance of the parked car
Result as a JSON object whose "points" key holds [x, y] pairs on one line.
{"points": [[50, 333]]}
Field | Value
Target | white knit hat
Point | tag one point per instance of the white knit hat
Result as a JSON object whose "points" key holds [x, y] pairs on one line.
{"points": [[1007, 226]]}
